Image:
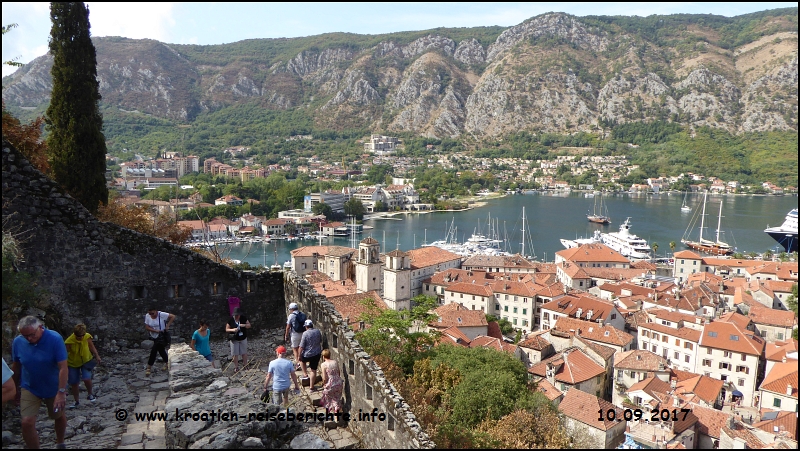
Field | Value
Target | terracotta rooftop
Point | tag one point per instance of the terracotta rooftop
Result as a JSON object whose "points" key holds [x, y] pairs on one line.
{"points": [[329, 288], [592, 253], [426, 256], [740, 431], [583, 407], [482, 341], [315, 276], [727, 336], [573, 367], [593, 331], [781, 376], [498, 261], [535, 342], [771, 317], [456, 336], [740, 321], [457, 315], [709, 421], [783, 421], [472, 289], [640, 360], [352, 306], [703, 387], [688, 255], [549, 390], [777, 351], [569, 305], [651, 386], [684, 333], [451, 276]]}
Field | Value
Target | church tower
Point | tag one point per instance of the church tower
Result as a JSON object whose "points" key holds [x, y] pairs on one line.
{"points": [[368, 266], [397, 280]]}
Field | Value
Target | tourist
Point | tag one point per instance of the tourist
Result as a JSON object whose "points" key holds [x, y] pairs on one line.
{"points": [[294, 325], [157, 322], [200, 342], [332, 383], [39, 356], [237, 330], [283, 372], [310, 351], [9, 388], [80, 352]]}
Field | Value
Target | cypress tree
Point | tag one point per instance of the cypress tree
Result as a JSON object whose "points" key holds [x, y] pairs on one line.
{"points": [[77, 147]]}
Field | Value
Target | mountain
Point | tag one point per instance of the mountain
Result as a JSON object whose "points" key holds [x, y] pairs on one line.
{"points": [[551, 73]]}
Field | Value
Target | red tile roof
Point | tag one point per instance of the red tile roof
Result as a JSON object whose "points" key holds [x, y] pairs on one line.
{"points": [[569, 305], [482, 341], [778, 350], [457, 315], [785, 422], [573, 367], [535, 342], [583, 407], [640, 360], [455, 334], [430, 256], [771, 317], [709, 421], [549, 390], [593, 331], [688, 255], [589, 253], [472, 289], [780, 377], [351, 306], [727, 336], [651, 386], [703, 387], [740, 321]]}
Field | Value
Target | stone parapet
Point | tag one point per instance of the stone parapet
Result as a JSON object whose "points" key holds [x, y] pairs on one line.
{"points": [[366, 388]]}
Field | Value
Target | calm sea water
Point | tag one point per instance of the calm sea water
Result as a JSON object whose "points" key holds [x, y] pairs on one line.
{"points": [[656, 218]]}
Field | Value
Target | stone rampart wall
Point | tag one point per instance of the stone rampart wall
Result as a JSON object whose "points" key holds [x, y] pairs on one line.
{"points": [[107, 276], [366, 387]]}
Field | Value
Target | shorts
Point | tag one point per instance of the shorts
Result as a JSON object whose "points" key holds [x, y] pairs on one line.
{"points": [[239, 347], [296, 337], [78, 374], [312, 361], [29, 405], [209, 357], [276, 396]]}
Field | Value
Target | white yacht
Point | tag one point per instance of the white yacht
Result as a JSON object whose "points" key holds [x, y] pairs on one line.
{"points": [[786, 233], [569, 244], [626, 243]]}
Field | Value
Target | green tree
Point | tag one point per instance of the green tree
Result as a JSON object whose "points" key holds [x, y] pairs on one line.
{"points": [[322, 209], [14, 62], [76, 145], [354, 207]]}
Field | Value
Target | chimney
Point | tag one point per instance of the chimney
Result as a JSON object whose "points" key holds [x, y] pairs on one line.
{"points": [[323, 287], [589, 315], [600, 321], [788, 389], [676, 402], [578, 313], [673, 382]]}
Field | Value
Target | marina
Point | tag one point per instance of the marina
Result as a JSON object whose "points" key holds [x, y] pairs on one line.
{"points": [[553, 217]]}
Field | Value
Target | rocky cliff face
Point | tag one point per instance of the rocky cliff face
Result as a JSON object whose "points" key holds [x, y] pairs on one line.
{"points": [[552, 73]]}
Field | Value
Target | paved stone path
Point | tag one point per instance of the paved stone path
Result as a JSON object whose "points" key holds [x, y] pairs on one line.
{"points": [[122, 389]]}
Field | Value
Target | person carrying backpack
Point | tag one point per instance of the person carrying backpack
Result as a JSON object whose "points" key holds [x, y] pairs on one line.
{"points": [[295, 324]]}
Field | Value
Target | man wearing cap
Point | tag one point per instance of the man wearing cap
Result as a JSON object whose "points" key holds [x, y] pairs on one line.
{"points": [[310, 351], [283, 371], [294, 312]]}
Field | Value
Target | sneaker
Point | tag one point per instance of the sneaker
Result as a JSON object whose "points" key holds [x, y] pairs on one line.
{"points": [[166, 367], [92, 398], [74, 406], [147, 372]]}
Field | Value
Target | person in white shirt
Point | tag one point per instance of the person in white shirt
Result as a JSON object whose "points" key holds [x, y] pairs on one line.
{"points": [[156, 322]]}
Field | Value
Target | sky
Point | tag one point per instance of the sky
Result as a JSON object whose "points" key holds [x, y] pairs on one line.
{"points": [[219, 23]]}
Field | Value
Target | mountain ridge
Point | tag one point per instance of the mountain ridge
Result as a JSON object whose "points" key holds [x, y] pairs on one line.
{"points": [[553, 73]]}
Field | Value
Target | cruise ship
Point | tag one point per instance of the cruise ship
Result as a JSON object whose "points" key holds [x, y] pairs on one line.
{"points": [[786, 233], [626, 243]]}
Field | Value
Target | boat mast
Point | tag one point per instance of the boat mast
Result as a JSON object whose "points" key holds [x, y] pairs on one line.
{"points": [[703, 217], [523, 232], [719, 220]]}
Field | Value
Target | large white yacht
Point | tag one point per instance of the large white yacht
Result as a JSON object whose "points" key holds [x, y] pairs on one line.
{"points": [[626, 243], [569, 244], [786, 233]]}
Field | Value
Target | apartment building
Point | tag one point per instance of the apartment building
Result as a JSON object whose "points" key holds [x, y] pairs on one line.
{"points": [[581, 306], [428, 260], [733, 355], [778, 391], [674, 342]]}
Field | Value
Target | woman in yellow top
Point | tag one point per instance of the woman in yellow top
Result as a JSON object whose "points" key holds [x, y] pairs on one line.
{"points": [[80, 350]]}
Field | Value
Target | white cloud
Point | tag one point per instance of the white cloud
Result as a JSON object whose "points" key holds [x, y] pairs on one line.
{"points": [[133, 20]]}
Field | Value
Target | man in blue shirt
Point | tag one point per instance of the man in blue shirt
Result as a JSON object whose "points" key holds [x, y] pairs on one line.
{"points": [[282, 370], [40, 358]]}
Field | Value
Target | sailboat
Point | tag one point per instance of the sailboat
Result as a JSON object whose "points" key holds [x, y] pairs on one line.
{"points": [[275, 266], [602, 216], [716, 247], [684, 207]]}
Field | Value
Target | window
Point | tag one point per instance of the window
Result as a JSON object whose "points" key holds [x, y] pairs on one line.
{"points": [[216, 288], [599, 380], [139, 292], [734, 338], [515, 310], [177, 291], [655, 349], [724, 366], [505, 308], [613, 316], [250, 286], [497, 307], [369, 392], [707, 362], [743, 369], [712, 334], [744, 357], [524, 322], [524, 311], [726, 353], [688, 345], [644, 333], [776, 402], [677, 354], [708, 351], [96, 294], [677, 342], [619, 374], [664, 338], [352, 367], [780, 335], [655, 336], [546, 316], [686, 358], [335, 341]]}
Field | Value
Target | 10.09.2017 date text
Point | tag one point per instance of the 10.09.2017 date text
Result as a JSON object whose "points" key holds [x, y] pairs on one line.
{"points": [[638, 414]]}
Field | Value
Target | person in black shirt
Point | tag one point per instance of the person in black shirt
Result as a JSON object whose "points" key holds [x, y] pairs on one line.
{"points": [[237, 331]]}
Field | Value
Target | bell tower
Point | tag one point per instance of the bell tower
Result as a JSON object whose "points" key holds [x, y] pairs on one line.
{"points": [[368, 266]]}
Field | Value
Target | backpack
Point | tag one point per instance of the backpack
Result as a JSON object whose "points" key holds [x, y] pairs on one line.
{"points": [[298, 325]]}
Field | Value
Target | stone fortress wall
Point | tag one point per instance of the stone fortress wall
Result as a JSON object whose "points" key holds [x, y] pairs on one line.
{"points": [[107, 276], [366, 388]]}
